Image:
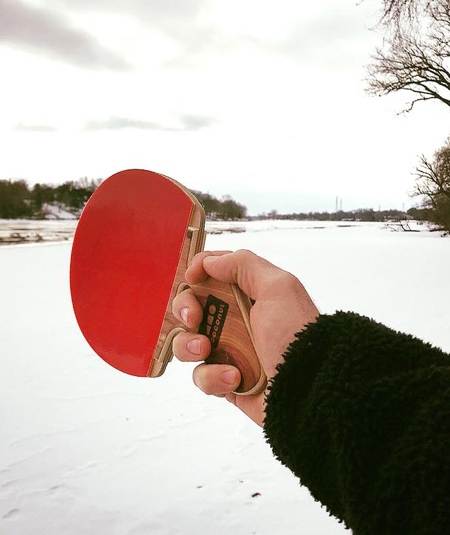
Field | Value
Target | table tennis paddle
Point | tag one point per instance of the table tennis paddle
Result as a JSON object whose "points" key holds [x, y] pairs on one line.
{"points": [[133, 243]]}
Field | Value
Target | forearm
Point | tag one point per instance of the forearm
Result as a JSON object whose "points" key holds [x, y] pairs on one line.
{"points": [[361, 415]]}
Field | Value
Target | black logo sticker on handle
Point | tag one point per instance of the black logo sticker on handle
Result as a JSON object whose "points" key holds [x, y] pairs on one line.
{"points": [[213, 319]]}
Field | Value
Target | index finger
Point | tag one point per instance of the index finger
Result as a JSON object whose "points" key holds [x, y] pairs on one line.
{"points": [[196, 273]]}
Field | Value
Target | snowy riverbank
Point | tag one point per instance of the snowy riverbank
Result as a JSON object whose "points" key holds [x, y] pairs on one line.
{"points": [[87, 450]]}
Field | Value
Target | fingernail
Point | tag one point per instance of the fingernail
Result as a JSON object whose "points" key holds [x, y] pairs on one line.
{"points": [[184, 313], [193, 346], [229, 377]]}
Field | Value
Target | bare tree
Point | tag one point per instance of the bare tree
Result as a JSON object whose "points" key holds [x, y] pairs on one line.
{"points": [[397, 13], [416, 54], [433, 184]]}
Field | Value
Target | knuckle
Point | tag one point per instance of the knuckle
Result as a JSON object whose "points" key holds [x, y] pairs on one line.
{"points": [[178, 347], [290, 280], [205, 380], [244, 254], [182, 292], [286, 281], [200, 381]]}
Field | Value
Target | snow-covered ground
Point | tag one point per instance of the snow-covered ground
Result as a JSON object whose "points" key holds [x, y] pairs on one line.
{"points": [[85, 449]]}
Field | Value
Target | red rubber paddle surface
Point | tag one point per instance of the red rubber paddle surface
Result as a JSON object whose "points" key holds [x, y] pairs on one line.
{"points": [[125, 254]]}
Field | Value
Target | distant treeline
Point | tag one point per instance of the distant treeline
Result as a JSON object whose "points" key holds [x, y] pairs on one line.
{"points": [[361, 214], [225, 209], [18, 200]]}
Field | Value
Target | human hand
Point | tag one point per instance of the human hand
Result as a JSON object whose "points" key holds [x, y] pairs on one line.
{"points": [[282, 308]]}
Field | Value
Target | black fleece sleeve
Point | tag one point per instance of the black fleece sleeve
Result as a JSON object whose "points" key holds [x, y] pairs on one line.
{"points": [[361, 414]]}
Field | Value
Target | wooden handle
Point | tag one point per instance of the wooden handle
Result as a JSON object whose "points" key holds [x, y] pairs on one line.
{"points": [[226, 322]]}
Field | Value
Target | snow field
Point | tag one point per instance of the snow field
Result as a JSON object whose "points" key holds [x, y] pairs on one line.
{"points": [[85, 449]]}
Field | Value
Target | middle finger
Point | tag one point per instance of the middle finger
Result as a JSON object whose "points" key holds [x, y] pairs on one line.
{"points": [[191, 347], [186, 308]]}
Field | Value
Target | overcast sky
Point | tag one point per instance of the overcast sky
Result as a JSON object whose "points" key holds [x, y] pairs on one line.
{"points": [[263, 100]]}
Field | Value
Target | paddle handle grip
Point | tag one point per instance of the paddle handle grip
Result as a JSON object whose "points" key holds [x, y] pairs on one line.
{"points": [[226, 322]]}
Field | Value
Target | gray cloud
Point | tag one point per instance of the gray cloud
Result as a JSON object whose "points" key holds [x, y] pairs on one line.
{"points": [[51, 34], [333, 40], [41, 128], [121, 123], [178, 20], [185, 123], [329, 40], [196, 122], [151, 12]]}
